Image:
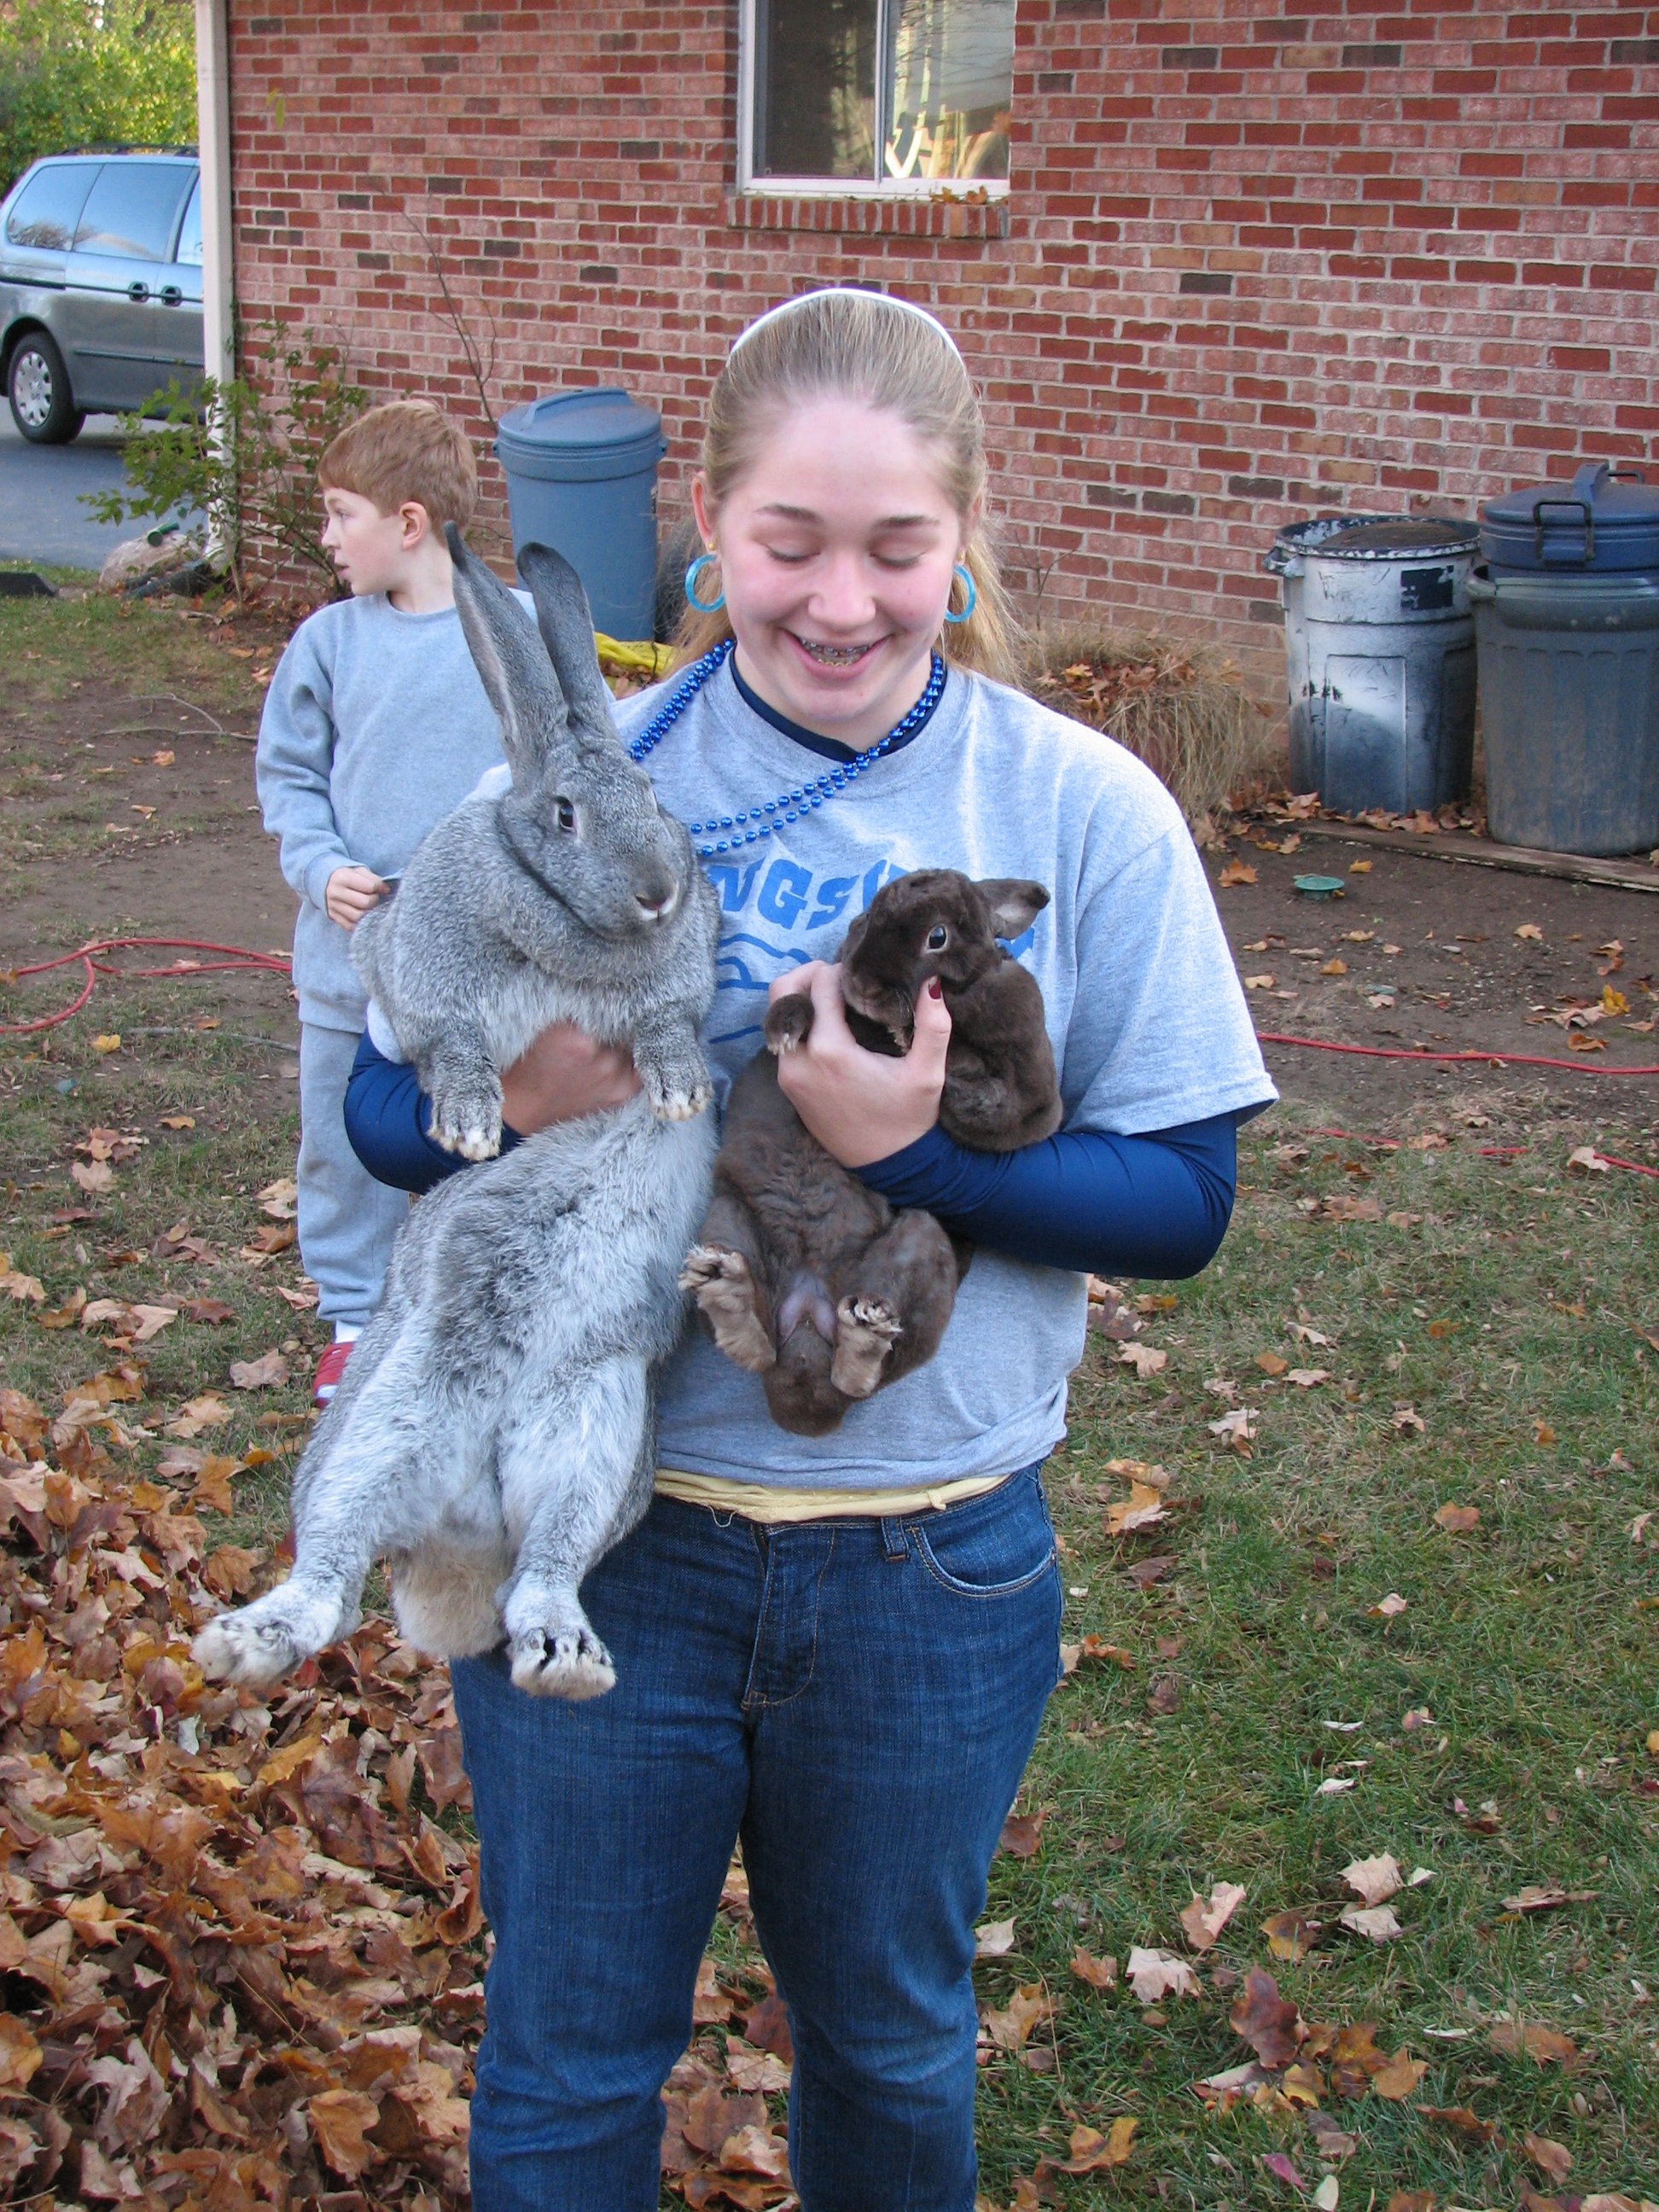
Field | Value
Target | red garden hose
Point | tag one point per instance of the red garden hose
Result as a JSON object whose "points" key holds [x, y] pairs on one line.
{"points": [[237, 957], [1478, 1059]]}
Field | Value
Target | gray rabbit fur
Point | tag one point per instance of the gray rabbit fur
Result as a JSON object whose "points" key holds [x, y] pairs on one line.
{"points": [[492, 1436], [802, 1274]]}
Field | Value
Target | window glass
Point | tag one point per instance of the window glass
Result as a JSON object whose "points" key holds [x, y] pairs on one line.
{"points": [[950, 68], [190, 234], [814, 88], [49, 206], [130, 210], [884, 92]]}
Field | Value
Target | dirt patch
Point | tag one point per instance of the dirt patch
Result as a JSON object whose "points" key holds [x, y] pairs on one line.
{"points": [[1426, 957], [125, 816]]}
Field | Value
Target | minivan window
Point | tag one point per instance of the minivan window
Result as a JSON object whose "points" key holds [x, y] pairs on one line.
{"points": [[129, 211], [190, 234], [49, 206]]}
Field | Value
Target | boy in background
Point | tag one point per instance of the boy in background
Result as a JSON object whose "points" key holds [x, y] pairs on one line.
{"points": [[375, 727]]}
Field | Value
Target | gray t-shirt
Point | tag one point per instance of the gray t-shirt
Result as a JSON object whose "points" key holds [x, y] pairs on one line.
{"points": [[375, 727], [1149, 1027]]}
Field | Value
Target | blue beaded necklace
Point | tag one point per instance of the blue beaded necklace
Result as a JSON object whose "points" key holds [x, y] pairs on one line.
{"points": [[754, 822]]}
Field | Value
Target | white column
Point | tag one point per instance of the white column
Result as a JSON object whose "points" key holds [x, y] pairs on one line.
{"points": [[213, 139]]}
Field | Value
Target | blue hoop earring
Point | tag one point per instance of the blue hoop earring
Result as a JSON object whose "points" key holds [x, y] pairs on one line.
{"points": [[702, 606], [972, 590]]}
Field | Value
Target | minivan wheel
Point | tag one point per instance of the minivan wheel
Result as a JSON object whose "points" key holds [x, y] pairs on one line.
{"points": [[37, 383]]}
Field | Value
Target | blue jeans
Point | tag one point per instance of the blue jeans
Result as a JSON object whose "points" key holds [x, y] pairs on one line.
{"points": [[856, 1700]]}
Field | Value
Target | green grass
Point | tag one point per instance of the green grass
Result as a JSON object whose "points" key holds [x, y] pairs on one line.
{"points": [[1526, 1639], [246, 1131], [50, 647]]}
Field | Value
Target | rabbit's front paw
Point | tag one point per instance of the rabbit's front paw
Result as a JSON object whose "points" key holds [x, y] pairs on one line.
{"points": [[865, 1330], [678, 1092], [725, 1289], [467, 1117], [788, 1022]]}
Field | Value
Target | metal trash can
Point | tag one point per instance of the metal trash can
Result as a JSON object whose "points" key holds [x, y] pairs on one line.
{"points": [[1567, 618], [581, 476], [1379, 644]]}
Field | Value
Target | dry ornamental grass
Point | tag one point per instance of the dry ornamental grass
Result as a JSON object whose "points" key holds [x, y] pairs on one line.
{"points": [[1182, 708]]}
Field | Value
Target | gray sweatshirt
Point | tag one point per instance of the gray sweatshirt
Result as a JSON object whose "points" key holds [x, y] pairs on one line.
{"points": [[1146, 1015], [375, 725]]}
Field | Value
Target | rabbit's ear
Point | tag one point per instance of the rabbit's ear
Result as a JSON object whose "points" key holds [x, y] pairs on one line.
{"points": [[1015, 904], [510, 662], [566, 622]]}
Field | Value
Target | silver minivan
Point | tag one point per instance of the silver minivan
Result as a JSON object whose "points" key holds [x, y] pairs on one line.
{"points": [[100, 286]]}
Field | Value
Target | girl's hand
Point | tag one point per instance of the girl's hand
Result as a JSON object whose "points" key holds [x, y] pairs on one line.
{"points": [[564, 1075], [861, 1106], [350, 893]]}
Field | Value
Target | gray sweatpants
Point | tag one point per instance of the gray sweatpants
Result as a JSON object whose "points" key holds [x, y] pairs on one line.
{"points": [[347, 1221]]}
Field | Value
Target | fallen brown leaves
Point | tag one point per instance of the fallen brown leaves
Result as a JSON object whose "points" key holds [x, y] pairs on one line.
{"points": [[1093, 2152], [1545, 2045], [243, 1958], [1299, 2065], [1098, 1973], [1202, 1923], [720, 2147]]}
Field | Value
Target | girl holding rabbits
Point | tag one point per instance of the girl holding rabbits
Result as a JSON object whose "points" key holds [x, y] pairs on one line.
{"points": [[838, 1649]]}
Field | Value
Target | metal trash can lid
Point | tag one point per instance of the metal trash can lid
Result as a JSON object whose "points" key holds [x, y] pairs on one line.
{"points": [[572, 437], [1403, 537], [1606, 520], [1369, 537]]}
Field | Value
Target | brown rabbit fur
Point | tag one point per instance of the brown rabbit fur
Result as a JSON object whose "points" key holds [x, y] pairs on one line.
{"points": [[804, 1275], [1001, 1089]]}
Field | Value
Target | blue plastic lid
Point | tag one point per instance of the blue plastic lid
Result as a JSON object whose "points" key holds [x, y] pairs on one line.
{"points": [[572, 435], [1607, 519]]}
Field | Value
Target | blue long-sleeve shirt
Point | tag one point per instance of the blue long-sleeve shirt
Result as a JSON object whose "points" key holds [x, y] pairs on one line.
{"points": [[1157, 1204]]}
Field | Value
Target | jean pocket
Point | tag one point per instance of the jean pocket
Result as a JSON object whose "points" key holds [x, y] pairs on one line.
{"points": [[992, 1546]]}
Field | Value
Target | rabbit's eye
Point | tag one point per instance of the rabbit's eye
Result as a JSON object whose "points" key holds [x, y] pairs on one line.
{"points": [[567, 814], [938, 937]]}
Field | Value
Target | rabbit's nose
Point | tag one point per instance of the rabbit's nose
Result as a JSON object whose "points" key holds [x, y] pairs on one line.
{"points": [[657, 907]]}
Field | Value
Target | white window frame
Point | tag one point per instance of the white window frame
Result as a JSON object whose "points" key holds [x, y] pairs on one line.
{"points": [[835, 188]]}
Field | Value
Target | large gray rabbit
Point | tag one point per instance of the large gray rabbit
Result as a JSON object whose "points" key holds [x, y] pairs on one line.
{"points": [[492, 1436]]}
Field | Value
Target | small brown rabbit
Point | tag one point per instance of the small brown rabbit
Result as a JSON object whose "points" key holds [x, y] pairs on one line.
{"points": [[802, 1274], [1001, 1089]]}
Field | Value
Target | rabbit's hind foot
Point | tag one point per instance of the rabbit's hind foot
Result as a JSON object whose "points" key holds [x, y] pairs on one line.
{"points": [[865, 1331], [727, 1297], [263, 1642], [567, 1663]]}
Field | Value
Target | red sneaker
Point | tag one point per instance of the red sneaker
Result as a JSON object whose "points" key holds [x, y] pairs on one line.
{"points": [[330, 1368]]}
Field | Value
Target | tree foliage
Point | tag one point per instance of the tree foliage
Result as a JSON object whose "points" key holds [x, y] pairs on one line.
{"points": [[93, 72]]}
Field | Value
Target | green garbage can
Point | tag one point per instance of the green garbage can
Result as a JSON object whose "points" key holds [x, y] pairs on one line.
{"points": [[1566, 615], [581, 476]]}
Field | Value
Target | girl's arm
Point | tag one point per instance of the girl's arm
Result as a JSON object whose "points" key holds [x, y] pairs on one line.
{"points": [[1157, 1204]]}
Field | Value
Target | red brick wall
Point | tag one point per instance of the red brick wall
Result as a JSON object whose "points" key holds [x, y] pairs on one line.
{"points": [[1251, 265]]}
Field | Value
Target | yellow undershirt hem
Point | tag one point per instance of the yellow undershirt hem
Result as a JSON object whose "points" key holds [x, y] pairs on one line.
{"points": [[756, 1501]]}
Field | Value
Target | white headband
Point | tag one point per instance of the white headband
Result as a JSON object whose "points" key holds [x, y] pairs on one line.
{"points": [[845, 291]]}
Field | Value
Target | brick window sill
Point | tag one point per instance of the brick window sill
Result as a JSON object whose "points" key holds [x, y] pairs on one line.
{"points": [[868, 216]]}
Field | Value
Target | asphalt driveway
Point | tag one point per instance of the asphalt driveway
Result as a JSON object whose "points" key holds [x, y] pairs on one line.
{"points": [[40, 516]]}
